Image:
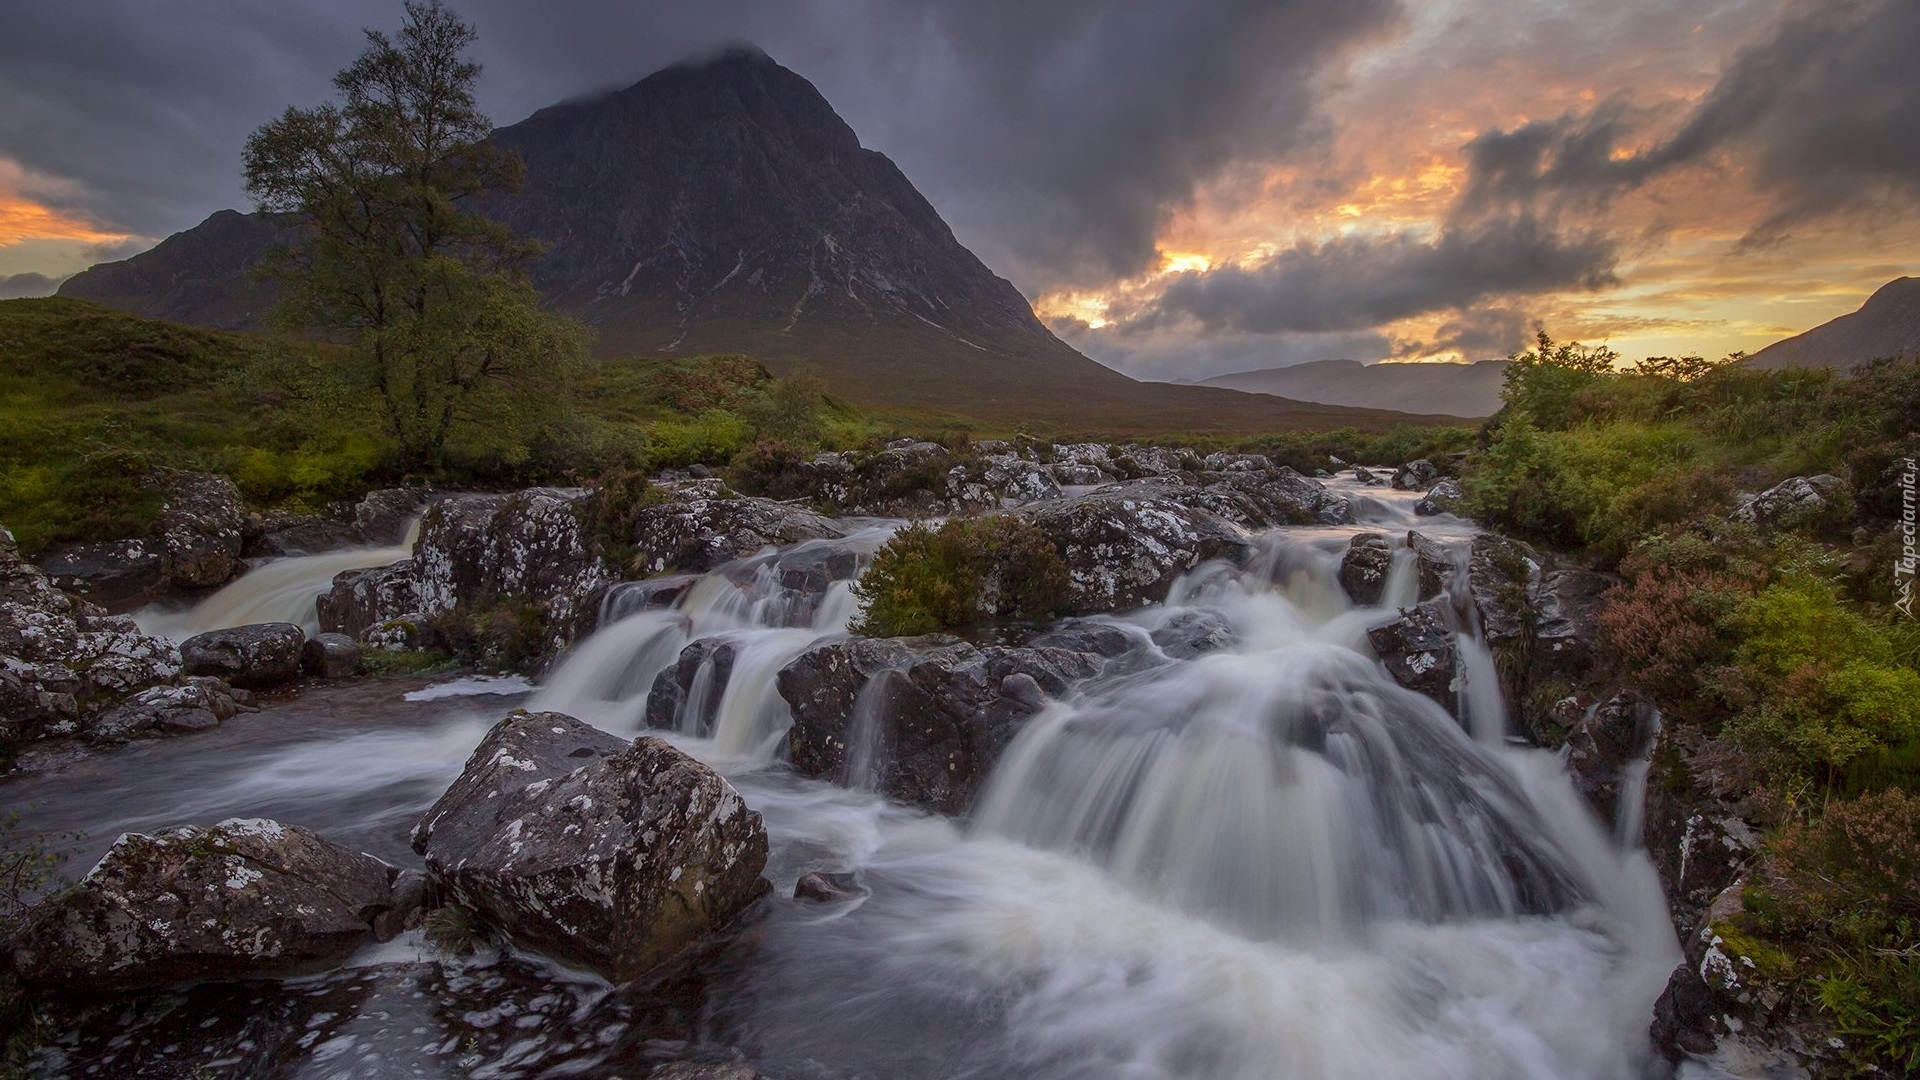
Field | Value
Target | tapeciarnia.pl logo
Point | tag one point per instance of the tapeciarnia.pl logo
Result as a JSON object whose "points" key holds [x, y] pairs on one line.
{"points": [[1903, 567]]}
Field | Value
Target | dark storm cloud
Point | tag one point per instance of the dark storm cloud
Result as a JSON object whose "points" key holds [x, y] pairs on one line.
{"points": [[1826, 109], [15, 286], [1358, 281], [1057, 136], [1478, 334]]}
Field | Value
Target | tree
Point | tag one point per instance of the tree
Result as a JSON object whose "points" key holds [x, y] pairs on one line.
{"points": [[1544, 382], [444, 332]]}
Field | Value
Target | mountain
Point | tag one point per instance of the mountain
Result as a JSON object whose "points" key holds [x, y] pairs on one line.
{"points": [[1471, 390], [723, 206], [1888, 324]]}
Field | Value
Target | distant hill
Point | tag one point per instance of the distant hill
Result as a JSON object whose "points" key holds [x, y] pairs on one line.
{"points": [[1469, 390], [723, 206], [1888, 324]]}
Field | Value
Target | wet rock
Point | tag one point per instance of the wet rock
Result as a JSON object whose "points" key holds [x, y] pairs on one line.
{"points": [[1125, 544], [408, 898], [822, 887], [1367, 476], [1089, 636], [306, 537], [1802, 502], [1432, 562], [1565, 627], [1418, 650], [624, 598], [1364, 568], [246, 898], [1253, 492], [1602, 745], [687, 695], [1417, 475], [118, 574], [533, 547], [163, 710], [704, 525], [574, 843], [359, 599], [925, 718], [330, 656], [263, 654], [1445, 497], [1503, 577], [1194, 633], [383, 516]]}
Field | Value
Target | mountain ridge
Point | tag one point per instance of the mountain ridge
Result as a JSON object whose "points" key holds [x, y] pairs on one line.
{"points": [[1887, 324], [1464, 390]]}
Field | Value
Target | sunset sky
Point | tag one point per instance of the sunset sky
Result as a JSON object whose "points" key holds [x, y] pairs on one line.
{"points": [[1183, 188]]}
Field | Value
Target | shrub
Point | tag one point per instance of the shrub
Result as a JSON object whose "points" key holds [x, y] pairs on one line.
{"points": [[771, 467], [955, 577], [618, 498]]}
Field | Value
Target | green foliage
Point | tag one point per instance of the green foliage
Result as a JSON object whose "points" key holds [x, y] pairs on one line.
{"points": [[456, 930], [964, 573], [405, 662], [444, 332], [618, 498], [1544, 383], [507, 632]]}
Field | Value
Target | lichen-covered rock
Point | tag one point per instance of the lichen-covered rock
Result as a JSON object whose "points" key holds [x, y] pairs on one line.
{"points": [[359, 599], [535, 546], [1417, 475], [1418, 650], [702, 525], [259, 655], [914, 479], [62, 659], [197, 705], [330, 656], [246, 898], [1364, 568], [1444, 497], [1125, 544], [1801, 502], [921, 720], [1566, 626], [1254, 493], [119, 575], [382, 517], [203, 524], [597, 852]]}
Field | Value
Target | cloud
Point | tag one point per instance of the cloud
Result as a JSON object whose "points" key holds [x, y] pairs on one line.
{"points": [[1825, 110], [15, 286], [1361, 281]]}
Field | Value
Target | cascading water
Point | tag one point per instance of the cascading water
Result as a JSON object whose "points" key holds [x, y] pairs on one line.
{"points": [[278, 590], [1268, 861]]}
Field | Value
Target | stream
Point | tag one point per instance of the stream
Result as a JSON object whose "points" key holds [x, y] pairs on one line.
{"points": [[1268, 861]]}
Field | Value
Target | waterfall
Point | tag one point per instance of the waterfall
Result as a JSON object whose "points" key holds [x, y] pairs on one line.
{"points": [[276, 590]]}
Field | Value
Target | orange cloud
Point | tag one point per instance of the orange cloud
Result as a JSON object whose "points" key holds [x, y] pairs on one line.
{"points": [[23, 219]]}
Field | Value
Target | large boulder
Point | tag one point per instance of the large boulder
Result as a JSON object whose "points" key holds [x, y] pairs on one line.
{"points": [[1365, 567], [922, 720], [330, 656], [910, 478], [254, 656], [1418, 649], [203, 524], [1801, 502], [534, 546], [1125, 544], [1444, 497], [1503, 578], [598, 852], [62, 659], [702, 525], [382, 517], [119, 575], [358, 600], [243, 899], [199, 704]]}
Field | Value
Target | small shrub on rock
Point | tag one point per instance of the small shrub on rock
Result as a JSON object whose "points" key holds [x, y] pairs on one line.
{"points": [[966, 572]]}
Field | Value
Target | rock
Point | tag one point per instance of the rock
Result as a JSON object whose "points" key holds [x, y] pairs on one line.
{"points": [[247, 898], [408, 631], [1417, 475], [1194, 633], [1364, 568], [410, 894], [702, 1070], [359, 599], [822, 887], [263, 654], [119, 575], [203, 522], [686, 696], [1418, 650], [1125, 544], [574, 843], [1603, 744], [1075, 475], [1254, 493], [924, 718], [1503, 576], [1802, 502], [163, 710], [382, 517], [1095, 638], [307, 537], [534, 547], [330, 656], [1432, 562], [1367, 476], [1445, 497], [1565, 627], [1733, 998], [63, 659], [704, 525]]}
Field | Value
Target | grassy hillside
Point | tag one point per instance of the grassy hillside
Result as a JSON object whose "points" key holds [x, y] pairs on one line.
{"points": [[1789, 681]]}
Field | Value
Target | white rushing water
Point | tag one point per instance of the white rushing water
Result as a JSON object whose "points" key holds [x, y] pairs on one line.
{"points": [[277, 590], [1269, 862]]}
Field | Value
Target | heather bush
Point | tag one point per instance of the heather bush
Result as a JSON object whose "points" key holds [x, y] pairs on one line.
{"points": [[960, 575]]}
